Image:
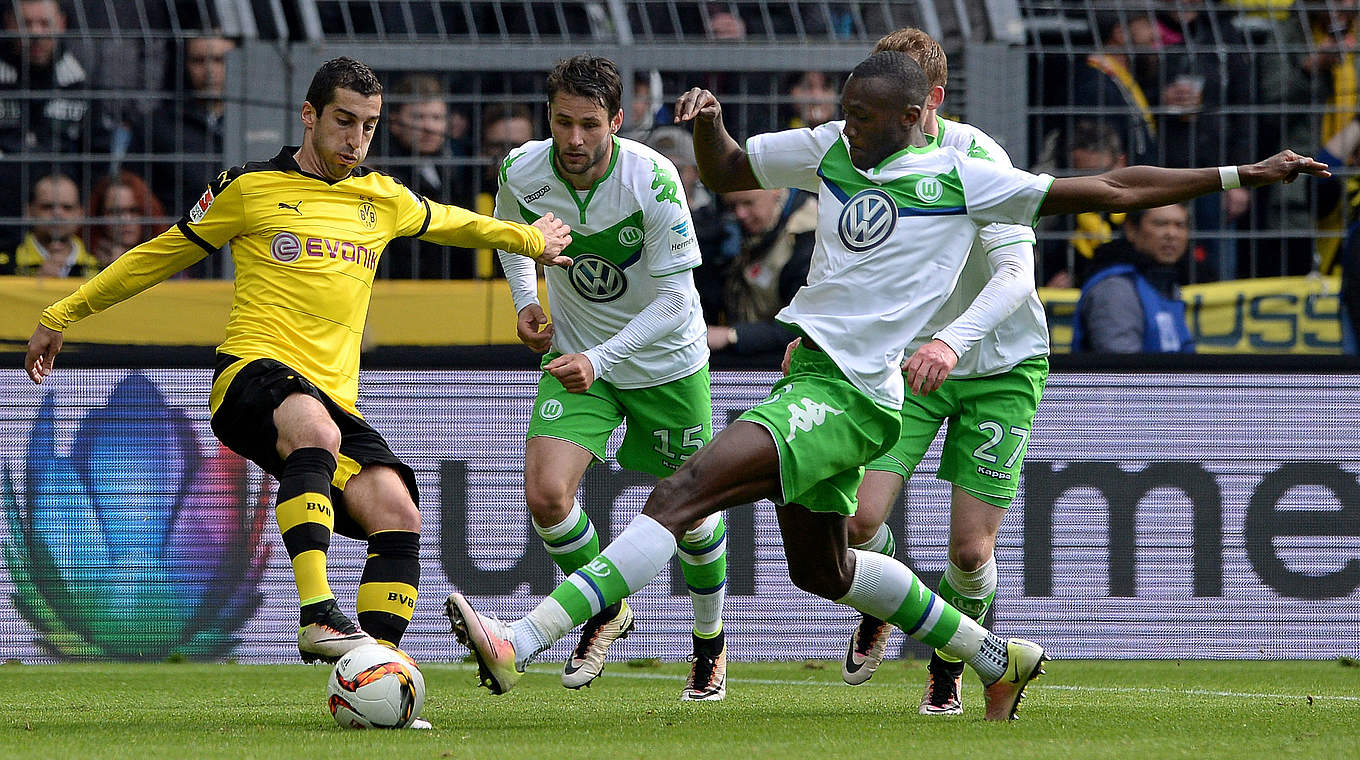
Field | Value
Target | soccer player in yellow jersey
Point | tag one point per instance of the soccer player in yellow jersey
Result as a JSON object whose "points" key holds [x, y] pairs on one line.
{"points": [[307, 229]]}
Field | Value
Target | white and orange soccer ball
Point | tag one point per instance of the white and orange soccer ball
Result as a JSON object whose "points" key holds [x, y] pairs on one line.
{"points": [[375, 686]]}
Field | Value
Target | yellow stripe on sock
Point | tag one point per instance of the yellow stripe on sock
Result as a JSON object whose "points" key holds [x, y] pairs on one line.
{"points": [[392, 597], [305, 508], [309, 570]]}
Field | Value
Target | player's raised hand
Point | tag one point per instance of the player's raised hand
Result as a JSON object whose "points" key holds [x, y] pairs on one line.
{"points": [[929, 367], [42, 352], [574, 371], [1285, 166], [534, 329], [697, 103], [556, 238]]}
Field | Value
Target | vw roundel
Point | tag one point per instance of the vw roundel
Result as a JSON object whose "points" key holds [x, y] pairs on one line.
{"points": [[867, 219], [596, 278]]}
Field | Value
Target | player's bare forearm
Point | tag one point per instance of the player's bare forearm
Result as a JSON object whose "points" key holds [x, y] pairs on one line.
{"points": [[723, 165], [1137, 187]]}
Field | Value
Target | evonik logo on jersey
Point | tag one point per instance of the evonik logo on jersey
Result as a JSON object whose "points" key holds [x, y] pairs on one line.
{"points": [[287, 247], [867, 219], [808, 416]]}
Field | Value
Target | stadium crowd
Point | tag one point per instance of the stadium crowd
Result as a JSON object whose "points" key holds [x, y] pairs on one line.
{"points": [[1190, 83]]}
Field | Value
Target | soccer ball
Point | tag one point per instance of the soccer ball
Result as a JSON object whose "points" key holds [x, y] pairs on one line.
{"points": [[375, 686]]}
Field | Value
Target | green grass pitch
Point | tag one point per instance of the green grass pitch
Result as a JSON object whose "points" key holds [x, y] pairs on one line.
{"points": [[1080, 710]]}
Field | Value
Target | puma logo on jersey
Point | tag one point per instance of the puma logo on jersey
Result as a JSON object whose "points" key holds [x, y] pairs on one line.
{"points": [[294, 208], [808, 416]]}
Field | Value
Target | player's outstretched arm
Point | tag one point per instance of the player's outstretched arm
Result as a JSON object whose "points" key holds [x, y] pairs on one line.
{"points": [[556, 238], [1138, 187], [42, 352], [723, 165]]}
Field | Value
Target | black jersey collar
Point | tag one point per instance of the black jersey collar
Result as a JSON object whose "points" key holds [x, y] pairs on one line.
{"points": [[286, 162]]}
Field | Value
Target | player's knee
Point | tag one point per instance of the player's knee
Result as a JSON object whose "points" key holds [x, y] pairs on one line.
{"points": [[399, 513], [861, 530], [671, 502], [825, 580], [970, 555], [548, 503]]}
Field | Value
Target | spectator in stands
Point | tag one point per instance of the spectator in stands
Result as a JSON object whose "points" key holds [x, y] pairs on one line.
{"points": [[813, 99], [778, 231], [1132, 303], [647, 111], [186, 129], [1190, 86], [51, 248], [505, 126], [423, 158], [1311, 66], [1340, 195], [34, 59], [1107, 85], [1093, 147], [123, 213], [719, 237]]}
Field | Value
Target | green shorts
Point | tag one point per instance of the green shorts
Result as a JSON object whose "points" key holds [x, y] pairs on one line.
{"points": [[666, 423], [826, 429], [984, 445]]}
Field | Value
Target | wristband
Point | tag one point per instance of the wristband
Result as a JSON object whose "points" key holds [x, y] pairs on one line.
{"points": [[1227, 175]]}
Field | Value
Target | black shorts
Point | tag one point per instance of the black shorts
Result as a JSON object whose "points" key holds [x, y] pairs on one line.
{"points": [[244, 421]]}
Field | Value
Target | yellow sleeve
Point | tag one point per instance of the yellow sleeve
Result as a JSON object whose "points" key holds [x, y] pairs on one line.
{"points": [[451, 225], [216, 218]]}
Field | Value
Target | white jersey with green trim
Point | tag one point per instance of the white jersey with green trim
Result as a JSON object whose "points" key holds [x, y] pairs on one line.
{"points": [[890, 241], [1023, 334], [631, 226]]}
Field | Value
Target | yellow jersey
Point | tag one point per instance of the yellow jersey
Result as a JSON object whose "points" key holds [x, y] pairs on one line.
{"points": [[305, 249]]}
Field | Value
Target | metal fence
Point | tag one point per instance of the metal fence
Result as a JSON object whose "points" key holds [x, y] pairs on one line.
{"points": [[171, 90]]}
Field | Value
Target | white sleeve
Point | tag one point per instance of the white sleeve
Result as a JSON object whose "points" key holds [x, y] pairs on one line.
{"points": [[1012, 280], [520, 271], [1002, 194], [790, 158], [664, 315]]}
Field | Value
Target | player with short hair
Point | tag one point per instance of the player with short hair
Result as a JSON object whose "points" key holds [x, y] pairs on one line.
{"points": [[627, 344], [990, 340], [307, 229], [897, 216]]}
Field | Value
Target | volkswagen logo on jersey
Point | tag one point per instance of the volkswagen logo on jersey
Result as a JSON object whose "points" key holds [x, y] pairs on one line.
{"points": [[630, 237], [929, 189], [868, 218], [285, 247], [597, 279]]}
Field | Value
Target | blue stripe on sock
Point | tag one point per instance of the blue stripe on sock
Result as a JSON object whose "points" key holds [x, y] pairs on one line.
{"points": [[599, 595], [929, 605], [568, 539], [709, 590], [704, 549]]}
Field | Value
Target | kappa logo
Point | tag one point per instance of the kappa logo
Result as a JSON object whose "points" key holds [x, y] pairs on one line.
{"points": [[539, 193], [867, 219], [929, 189], [630, 237], [597, 279], [808, 416], [550, 409]]}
